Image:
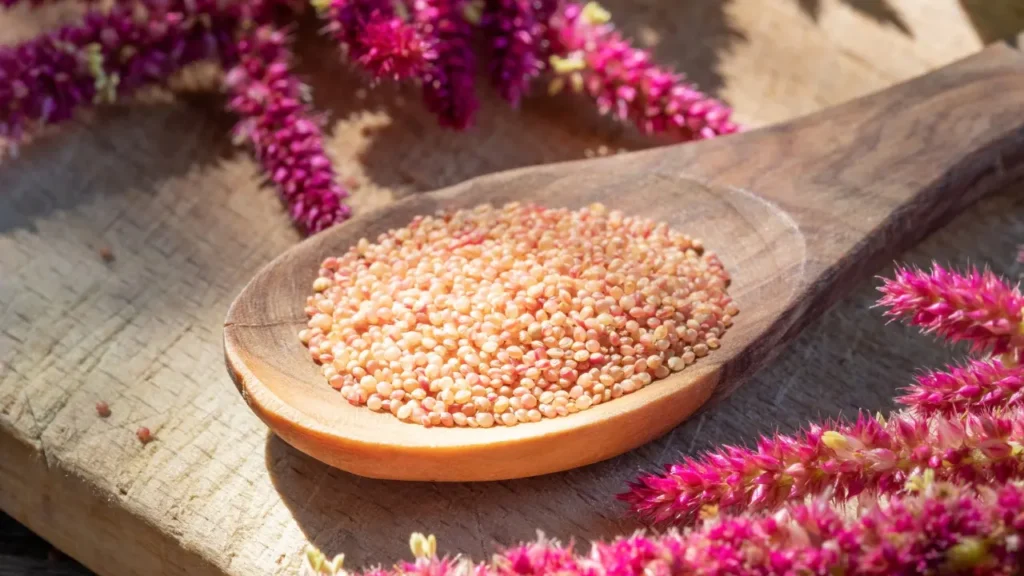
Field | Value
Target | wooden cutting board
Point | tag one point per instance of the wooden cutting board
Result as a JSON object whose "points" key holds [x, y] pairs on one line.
{"points": [[214, 494]]}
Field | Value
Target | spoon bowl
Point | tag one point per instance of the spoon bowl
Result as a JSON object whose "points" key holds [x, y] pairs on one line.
{"points": [[797, 213]]}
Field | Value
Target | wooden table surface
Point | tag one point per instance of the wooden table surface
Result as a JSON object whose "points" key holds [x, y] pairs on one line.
{"points": [[188, 223]]}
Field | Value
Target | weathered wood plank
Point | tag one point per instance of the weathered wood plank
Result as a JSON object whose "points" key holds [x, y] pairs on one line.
{"points": [[214, 494]]}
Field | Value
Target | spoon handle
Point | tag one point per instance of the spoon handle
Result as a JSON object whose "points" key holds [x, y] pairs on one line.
{"points": [[867, 179]]}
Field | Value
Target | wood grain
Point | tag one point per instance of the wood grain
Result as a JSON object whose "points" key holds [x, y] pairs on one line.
{"points": [[806, 209], [214, 494]]}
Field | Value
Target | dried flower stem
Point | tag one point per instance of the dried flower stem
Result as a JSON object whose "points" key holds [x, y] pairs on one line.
{"points": [[869, 456], [593, 58], [978, 307], [448, 83], [941, 529], [275, 121]]}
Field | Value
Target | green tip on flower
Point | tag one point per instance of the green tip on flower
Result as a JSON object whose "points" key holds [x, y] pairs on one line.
{"points": [[105, 85], [473, 12], [918, 483], [336, 565], [315, 559], [568, 64], [709, 512], [835, 440], [319, 564], [423, 546], [971, 552], [94, 60], [320, 6], [595, 14], [577, 82]]}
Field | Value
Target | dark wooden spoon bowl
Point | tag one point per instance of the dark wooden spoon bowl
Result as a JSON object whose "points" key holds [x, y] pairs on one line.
{"points": [[798, 213]]}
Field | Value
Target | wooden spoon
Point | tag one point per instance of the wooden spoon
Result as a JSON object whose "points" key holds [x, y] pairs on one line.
{"points": [[799, 213]]}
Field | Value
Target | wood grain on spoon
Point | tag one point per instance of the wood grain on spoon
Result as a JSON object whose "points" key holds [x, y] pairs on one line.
{"points": [[798, 213]]}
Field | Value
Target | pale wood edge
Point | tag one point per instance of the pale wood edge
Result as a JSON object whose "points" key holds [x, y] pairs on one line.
{"points": [[56, 503]]}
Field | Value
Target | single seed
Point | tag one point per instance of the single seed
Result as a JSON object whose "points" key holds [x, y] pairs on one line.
{"points": [[144, 435], [375, 403], [500, 405], [103, 409], [106, 254], [405, 412]]}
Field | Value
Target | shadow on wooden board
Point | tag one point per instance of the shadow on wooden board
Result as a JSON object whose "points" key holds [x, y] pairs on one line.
{"points": [[996, 19], [22, 553], [880, 11]]}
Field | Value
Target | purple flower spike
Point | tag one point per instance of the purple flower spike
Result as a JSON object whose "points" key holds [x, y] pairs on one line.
{"points": [[376, 38], [937, 529], [593, 58], [976, 387], [977, 307], [871, 456], [448, 83], [274, 119], [517, 32], [107, 57]]}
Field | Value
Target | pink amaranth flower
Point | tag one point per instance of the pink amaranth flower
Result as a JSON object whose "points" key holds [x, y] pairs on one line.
{"points": [[516, 30], [871, 456], [977, 386], [594, 58], [448, 83], [940, 528], [392, 48], [275, 121], [375, 37], [106, 57], [977, 307]]}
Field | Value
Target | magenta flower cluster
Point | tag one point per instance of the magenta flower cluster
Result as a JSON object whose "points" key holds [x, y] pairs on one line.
{"points": [[431, 42], [374, 36], [978, 385], [625, 82], [871, 455], [107, 57], [939, 529], [285, 137], [519, 45], [976, 307], [448, 84]]}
